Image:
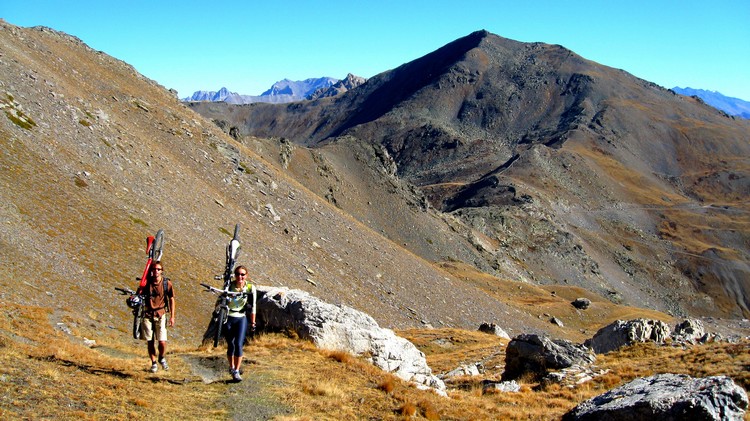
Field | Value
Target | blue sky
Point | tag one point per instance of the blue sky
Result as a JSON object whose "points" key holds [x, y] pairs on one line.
{"points": [[248, 45]]}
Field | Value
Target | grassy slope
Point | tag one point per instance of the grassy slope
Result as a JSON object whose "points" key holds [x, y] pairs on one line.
{"points": [[46, 372]]}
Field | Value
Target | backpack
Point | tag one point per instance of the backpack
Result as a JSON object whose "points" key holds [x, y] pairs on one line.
{"points": [[166, 297]]}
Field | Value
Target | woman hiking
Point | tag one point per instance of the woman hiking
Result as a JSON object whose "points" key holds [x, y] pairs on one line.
{"points": [[237, 320]]}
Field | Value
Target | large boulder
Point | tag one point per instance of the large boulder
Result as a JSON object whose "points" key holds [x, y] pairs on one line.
{"points": [[666, 397], [623, 333], [690, 331], [539, 354], [341, 328]]}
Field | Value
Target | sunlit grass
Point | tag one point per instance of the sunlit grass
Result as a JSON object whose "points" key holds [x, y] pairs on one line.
{"points": [[45, 374]]}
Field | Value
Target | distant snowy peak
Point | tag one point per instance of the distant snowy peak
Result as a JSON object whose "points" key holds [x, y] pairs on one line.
{"points": [[731, 106], [283, 91]]}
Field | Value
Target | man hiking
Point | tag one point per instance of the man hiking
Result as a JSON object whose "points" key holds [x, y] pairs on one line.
{"points": [[159, 302]]}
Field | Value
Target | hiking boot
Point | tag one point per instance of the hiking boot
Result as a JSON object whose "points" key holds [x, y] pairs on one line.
{"points": [[154, 367], [236, 376], [164, 364]]}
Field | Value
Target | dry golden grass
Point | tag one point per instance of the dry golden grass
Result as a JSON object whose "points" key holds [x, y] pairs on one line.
{"points": [[732, 360], [45, 374], [321, 384], [323, 388], [407, 409], [388, 384], [447, 349]]}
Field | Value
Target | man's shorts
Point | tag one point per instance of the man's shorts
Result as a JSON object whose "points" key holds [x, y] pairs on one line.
{"points": [[158, 327]]}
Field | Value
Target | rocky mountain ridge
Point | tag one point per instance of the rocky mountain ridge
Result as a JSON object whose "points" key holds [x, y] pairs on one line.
{"points": [[280, 92], [554, 169], [349, 82], [730, 105]]}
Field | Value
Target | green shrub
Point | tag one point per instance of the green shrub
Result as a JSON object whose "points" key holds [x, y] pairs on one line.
{"points": [[20, 119]]}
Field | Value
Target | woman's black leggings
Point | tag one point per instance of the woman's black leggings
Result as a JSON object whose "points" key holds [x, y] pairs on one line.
{"points": [[235, 332]]}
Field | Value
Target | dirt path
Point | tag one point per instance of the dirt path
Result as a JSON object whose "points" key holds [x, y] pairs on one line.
{"points": [[245, 400], [249, 399]]}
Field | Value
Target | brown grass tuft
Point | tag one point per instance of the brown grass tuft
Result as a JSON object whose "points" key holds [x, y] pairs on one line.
{"points": [[323, 388], [609, 380], [388, 384], [142, 402], [428, 410], [341, 356], [407, 409]]}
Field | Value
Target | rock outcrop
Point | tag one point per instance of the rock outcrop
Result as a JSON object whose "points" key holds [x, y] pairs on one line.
{"points": [[341, 328], [666, 397], [540, 354], [500, 387], [581, 303], [465, 370], [690, 331], [493, 329], [623, 333]]}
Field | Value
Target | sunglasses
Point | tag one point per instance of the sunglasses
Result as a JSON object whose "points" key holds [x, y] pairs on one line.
{"points": [[242, 274]]}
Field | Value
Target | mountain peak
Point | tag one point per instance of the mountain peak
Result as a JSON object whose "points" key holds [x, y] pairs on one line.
{"points": [[282, 91], [222, 95], [299, 89], [731, 106], [349, 82], [489, 126]]}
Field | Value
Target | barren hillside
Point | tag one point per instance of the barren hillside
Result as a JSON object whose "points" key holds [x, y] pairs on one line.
{"points": [[94, 157], [544, 166]]}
